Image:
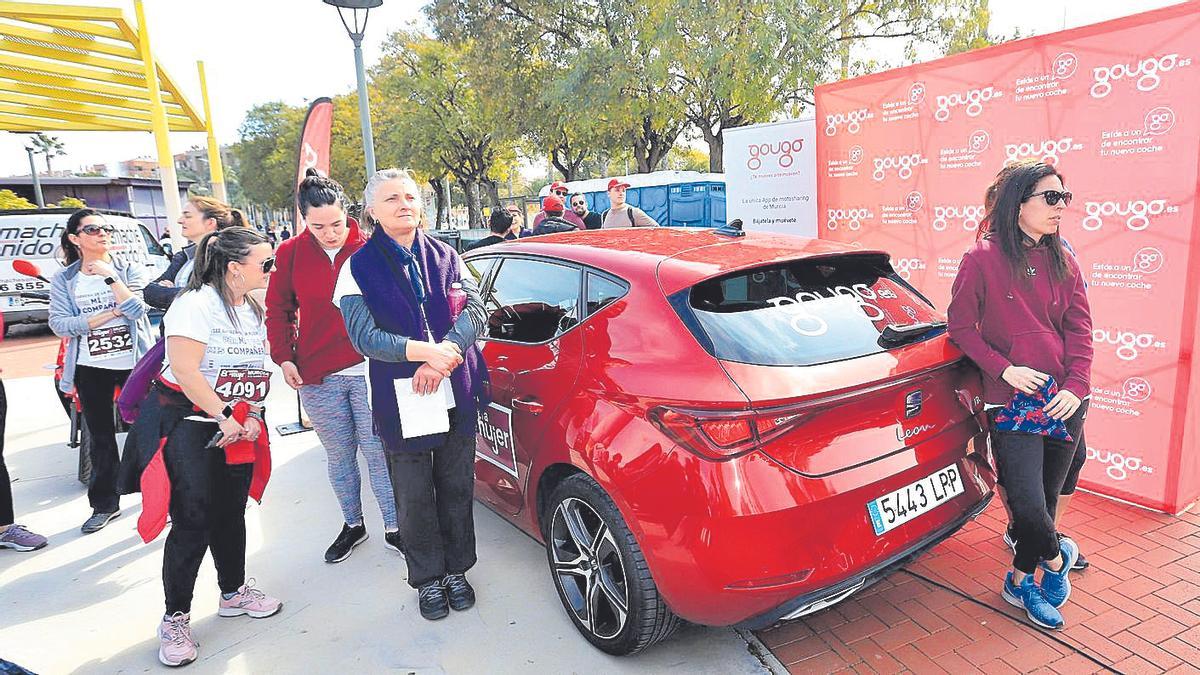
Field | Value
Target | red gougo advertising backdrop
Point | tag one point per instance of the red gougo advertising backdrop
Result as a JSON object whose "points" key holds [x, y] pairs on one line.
{"points": [[904, 156]]}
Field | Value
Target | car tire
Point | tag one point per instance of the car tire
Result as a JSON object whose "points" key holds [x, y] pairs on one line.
{"points": [[595, 578]]}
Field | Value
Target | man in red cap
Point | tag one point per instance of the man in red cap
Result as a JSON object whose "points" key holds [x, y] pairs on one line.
{"points": [[560, 190], [553, 223], [621, 214]]}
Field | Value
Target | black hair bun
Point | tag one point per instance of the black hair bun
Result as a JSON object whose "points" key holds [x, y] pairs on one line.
{"points": [[311, 172]]}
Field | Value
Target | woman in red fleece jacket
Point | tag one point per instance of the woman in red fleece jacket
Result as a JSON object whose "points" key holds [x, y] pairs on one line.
{"points": [[309, 342], [1019, 310]]}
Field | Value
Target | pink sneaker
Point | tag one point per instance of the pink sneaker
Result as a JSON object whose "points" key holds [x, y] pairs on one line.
{"points": [[175, 644], [250, 600]]}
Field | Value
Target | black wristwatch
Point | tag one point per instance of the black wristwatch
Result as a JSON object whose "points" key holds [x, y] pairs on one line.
{"points": [[110, 281], [225, 414]]}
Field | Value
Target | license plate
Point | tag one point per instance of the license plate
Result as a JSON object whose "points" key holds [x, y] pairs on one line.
{"points": [[912, 500]]}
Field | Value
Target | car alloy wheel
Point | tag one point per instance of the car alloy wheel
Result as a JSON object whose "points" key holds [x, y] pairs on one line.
{"points": [[588, 568]]}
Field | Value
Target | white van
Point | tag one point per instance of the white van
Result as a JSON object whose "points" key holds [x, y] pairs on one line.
{"points": [[35, 235]]}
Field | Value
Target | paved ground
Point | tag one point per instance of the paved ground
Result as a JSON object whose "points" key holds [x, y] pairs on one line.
{"points": [[91, 604], [1136, 610]]}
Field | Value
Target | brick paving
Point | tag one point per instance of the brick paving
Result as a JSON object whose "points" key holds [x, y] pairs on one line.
{"points": [[1135, 610]]}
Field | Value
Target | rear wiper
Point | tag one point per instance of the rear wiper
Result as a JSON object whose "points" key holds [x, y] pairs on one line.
{"points": [[898, 334]]}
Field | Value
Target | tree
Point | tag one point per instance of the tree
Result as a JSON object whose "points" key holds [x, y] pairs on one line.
{"points": [[266, 153], [49, 146], [602, 59], [10, 200], [435, 113]]}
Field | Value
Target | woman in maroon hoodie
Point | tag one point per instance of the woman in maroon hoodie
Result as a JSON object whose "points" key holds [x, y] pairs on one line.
{"points": [[309, 342], [1019, 310]]}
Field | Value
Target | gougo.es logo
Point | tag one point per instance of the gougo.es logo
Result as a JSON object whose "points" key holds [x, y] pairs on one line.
{"points": [[902, 164], [1128, 343], [852, 120], [1047, 150], [851, 218], [1148, 260], [783, 151], [1118, 465], [972, 99], [905, 266], [1148, 72], [1136, 212], [968, 216]]}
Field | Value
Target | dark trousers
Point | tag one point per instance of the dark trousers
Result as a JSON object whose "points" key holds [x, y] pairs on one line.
{"points": [[1032, 470], [6, 502], [433, 492], [208, 512], [95, 389]]}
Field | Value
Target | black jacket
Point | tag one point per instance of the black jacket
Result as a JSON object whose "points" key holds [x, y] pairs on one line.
{"points": [[552, 225], [162, 296], [486, 241]]}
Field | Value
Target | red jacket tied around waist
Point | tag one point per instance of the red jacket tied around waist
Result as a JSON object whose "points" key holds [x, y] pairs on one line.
{"points": [[1000, 316], [156, 484], [305, 277]]}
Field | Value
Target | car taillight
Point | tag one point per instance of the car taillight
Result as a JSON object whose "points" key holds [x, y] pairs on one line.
{"points": [[722, 435]]}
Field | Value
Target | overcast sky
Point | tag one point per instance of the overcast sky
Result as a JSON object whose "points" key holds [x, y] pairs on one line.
{"points": [[296, 50]]}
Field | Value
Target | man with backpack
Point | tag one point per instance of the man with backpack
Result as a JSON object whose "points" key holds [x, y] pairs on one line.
{"points": [[622, 214]]}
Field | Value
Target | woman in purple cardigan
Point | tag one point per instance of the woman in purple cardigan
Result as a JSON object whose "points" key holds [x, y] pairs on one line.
{"points": [[1019, 310], [425, 376]]}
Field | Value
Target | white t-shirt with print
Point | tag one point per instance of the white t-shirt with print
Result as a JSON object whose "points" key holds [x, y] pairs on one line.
{"points": [[109, 345], [231, 350]]}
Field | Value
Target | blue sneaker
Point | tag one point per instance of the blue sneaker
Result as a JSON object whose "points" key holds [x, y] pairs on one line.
{"points": [[1056, 585], [1028, 596]]}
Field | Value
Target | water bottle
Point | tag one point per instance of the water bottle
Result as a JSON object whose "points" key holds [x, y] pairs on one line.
{"points": [[458, 300]]}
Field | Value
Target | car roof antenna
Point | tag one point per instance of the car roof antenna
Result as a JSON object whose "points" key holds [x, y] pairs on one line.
{"points": [[731, 229]]}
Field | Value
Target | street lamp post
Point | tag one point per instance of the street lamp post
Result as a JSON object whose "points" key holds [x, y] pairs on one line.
{"points": [[37, 184], [356, 35]]}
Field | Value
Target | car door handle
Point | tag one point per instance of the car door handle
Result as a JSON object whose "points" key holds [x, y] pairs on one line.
{"points": [[530, 405]]}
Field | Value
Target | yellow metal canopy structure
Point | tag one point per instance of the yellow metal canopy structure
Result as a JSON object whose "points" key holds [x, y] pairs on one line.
{"points": [[80, 68]]}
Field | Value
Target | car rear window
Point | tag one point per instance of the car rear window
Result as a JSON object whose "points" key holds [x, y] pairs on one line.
{"points": [[804, 312]]}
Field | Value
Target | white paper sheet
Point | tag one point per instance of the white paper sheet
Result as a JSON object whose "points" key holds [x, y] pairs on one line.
{"points": [[423, 415]]}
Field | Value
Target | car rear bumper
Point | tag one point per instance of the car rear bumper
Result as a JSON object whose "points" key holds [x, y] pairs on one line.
{"points": [[750, 541], [817, 600]]}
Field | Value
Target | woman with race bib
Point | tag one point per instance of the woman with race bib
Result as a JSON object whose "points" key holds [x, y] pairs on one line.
{"points": [[96, 302], [214, 452], [309, 342], [1019, 310]]}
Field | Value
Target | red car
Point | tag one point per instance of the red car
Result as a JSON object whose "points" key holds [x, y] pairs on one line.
{"points": [[718, 427]]}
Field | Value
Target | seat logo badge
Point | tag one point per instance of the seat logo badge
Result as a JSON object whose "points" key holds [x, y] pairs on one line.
{"points": [[912, 404]]}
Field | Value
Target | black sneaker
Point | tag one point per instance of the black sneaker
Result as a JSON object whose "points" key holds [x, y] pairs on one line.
{"points": [[341, 547], [462, 596], [98, 521], [1081, 563], [432, 600], [393, 541]]}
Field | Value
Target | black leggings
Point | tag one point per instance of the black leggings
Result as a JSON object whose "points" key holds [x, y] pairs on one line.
{"points": [[1032, 470], [208, 512], [6, 502], [95, 388], [433, 490]]}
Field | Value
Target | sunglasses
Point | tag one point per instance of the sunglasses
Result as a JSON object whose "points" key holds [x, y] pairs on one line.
{"points": [[1052, 197], [97, 229], [561, 193], [268, 265]]}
